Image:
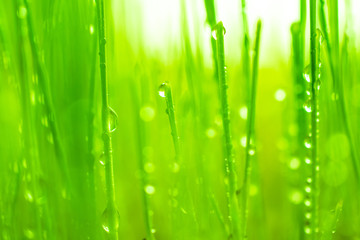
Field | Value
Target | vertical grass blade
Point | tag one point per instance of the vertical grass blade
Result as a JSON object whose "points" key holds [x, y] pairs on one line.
{"points": [[142, 140], [314, 46], [49, 108], [211, 19], [107, 119], [90, 140], [250, 133], [245, 51], [230, 172]]}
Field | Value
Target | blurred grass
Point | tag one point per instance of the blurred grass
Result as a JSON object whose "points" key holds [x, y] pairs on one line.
{"points": [[37, 202]]}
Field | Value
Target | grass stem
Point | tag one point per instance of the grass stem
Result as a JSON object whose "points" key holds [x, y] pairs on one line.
{"points": [[230, 171], [249, 151], [106, 127]]}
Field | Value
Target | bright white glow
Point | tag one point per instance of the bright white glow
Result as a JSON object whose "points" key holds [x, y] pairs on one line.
{"points": [[280, 95]]}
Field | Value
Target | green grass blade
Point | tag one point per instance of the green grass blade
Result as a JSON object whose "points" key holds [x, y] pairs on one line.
{"points": [[230, 171], [249, 151], [108, 120], [49, 108]]}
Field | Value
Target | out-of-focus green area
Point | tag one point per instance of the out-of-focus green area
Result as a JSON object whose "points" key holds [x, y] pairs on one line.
{"points": [[49, 193]]}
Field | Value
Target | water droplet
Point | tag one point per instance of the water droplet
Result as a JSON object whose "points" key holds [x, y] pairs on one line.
{"points": [[319, 36], [309, 180], [308, 189], [306, 73], [91, 29], [307, 142], [162, 90], [113, 119], [147, 113], [102, 162], [213, 34], [29, 234], [210, 133], [280, 95], [317, 85], [307, 106], [106, 218], [307, 161], [294, 163], [307, 203], [243, 112], [307, 230], [251, 151], [149, 189], [22, 12], [28, 196], [153, 230], [243, 141], [149, 167], [307, 215]]}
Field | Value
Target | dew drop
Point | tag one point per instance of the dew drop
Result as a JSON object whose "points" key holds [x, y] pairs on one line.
{"points": [[317, 85], [307, 215], [280, 95], [213, 34], [153, 230], [307, 203], [308, 189], [162, 90], [113, 119], [147, 113], [149, 189], [307, 106], [307, 142], [243, 112], [243, 141], [214, 31], [307, 230], [91, 29], [307, 161], [319, 35], [309, 180], [306, 73], [106, 218], [22, 12], [102, 162], [251, 151]]}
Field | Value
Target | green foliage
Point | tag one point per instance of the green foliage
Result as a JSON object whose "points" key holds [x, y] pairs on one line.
{"points": [[237, 146]]}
